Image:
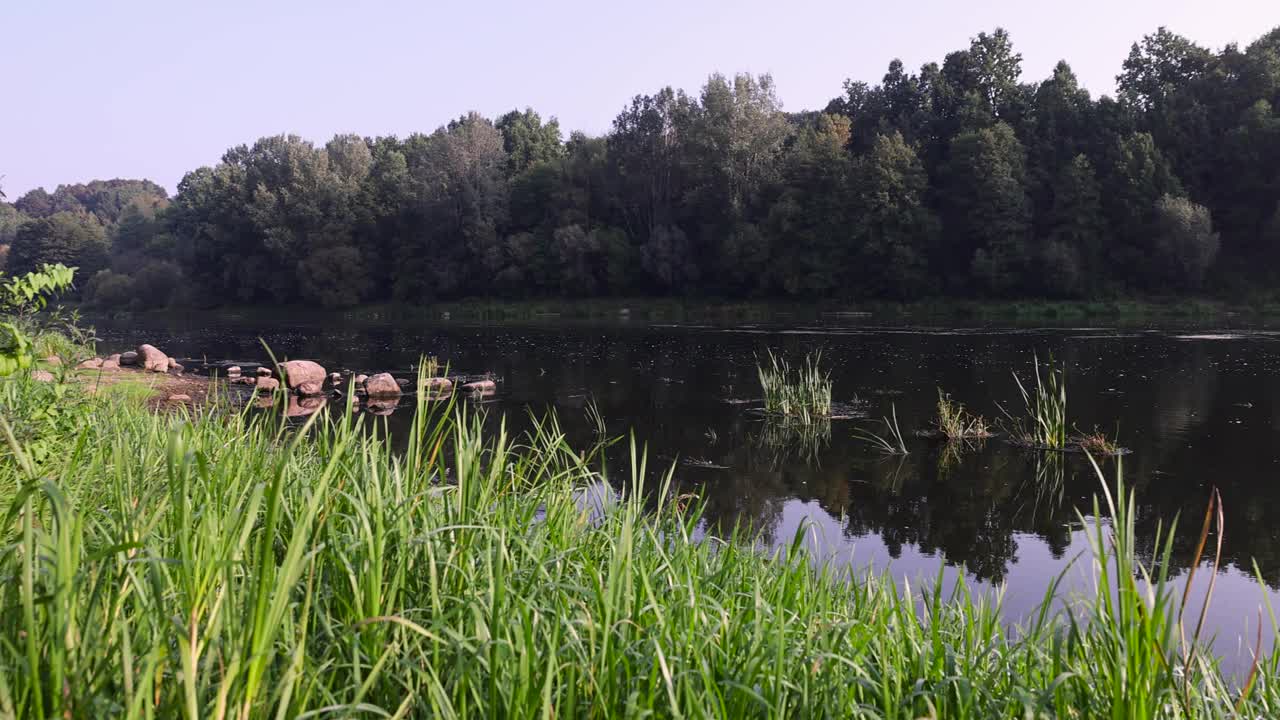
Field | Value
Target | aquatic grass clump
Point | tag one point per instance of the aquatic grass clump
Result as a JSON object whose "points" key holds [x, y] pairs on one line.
{"points": [[1044, 425], [955, 423], [803, 394], [1097, 443], [226, 565]]}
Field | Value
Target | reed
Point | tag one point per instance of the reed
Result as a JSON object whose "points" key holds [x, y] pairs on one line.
{"points": [[892, 442], [226, 565], [1044, 423], [802, 393]]}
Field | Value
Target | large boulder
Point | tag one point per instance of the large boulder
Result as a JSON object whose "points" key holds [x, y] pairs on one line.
{"points": [[152, 359], [382, 385], [303, 376], [129, 358]]}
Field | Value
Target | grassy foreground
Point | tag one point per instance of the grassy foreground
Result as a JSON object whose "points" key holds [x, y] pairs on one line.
{"points": [[219, 566]]}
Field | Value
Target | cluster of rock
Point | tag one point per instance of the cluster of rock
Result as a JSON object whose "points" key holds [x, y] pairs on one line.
{"points": [[148, 357], [308, 384]]}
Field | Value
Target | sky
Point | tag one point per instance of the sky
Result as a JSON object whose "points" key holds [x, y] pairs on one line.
{"points": [[154, 89]]}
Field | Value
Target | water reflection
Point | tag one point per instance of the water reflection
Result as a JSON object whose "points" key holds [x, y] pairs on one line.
{"points": [[1196, 411]]}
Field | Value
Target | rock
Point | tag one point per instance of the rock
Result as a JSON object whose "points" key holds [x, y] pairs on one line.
{"points": [[175, 368], [42, 376], [437, 386], [129, 358], [361, 379], [264, 371], [335, 379], [172, 362], [110, 364], [180, 398], [481, 386], [268, 384], [302, 372], [53, 360], [309, 389], [152, 359], [402, 382], [234, 370], [91, 364], [114, 357], [245, 380], [382, 385]]}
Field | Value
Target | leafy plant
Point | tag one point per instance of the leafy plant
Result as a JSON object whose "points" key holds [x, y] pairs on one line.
{"points": [[20, 299]]}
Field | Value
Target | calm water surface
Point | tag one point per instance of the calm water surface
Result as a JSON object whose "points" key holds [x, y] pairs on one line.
{"points": [[1196, 406]]}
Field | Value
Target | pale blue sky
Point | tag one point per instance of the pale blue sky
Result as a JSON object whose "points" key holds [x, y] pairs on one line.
{"points": [[148, 88]]}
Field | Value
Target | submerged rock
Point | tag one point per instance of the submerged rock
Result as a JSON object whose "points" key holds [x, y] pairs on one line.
{"points": [[233, 371], [382, 385], [264, 371], [437, 386], [481, 386], [268, 384]]}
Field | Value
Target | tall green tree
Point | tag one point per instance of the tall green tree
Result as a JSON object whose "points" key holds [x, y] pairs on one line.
{"points": [[988, 214]]}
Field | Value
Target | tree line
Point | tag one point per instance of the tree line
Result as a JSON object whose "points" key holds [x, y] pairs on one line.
{"points": [[961, 179]]}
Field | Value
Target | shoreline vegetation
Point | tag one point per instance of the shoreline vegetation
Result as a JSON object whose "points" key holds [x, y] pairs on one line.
{"points": [[210, 562], [1120, 312]]}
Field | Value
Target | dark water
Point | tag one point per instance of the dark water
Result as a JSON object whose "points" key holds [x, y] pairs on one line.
{"points": [[1197, 407]]}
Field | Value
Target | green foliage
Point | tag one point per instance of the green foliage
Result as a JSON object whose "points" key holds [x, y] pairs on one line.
{"points": [[1185, 241], [66, 238], [20, 299]]}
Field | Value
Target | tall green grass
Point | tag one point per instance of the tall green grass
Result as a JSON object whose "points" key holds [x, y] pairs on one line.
{"points": [[802, 393], [1044, 424], [228, 566]]}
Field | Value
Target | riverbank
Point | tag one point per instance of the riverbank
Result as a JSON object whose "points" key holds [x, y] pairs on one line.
{"points": [[205, 563], [1119, 312]]}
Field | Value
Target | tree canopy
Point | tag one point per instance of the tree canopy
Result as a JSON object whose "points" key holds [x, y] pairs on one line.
{"points": [[961, 178]]}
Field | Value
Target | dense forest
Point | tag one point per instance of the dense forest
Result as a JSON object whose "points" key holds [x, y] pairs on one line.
{"points": [[958, 180]]}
